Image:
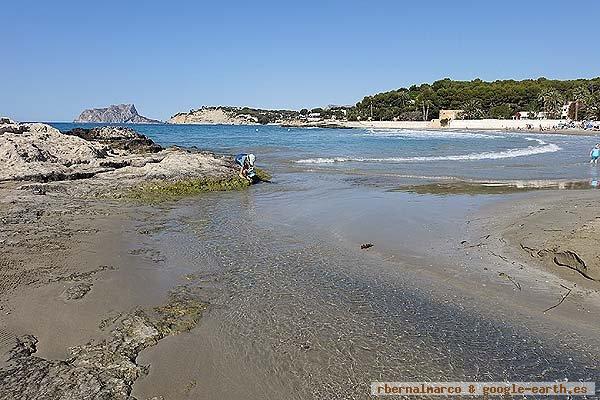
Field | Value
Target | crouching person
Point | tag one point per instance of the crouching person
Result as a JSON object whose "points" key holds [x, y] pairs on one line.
{"points": [[246, 164]]}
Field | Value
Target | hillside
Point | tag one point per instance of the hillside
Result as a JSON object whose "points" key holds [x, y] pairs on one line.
{"points": [[499, 99], [233, 116]]}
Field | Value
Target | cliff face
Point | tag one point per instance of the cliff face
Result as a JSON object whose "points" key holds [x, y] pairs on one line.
{"points": [[122, 113], [210, 115]]}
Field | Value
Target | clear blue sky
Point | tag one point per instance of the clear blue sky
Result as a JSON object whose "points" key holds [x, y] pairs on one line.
{"points": [[59, 57]]}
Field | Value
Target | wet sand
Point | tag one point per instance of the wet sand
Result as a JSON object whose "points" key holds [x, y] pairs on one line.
{"points": [[80, 285], [295, 308], [304, 320]]}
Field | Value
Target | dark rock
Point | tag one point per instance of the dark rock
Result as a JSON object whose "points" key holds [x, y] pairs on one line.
{"points": [[101, 370], [77, 291], [117, 137]]}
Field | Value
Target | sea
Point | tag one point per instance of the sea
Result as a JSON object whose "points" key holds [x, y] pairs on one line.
{"points": [[395, 153]]}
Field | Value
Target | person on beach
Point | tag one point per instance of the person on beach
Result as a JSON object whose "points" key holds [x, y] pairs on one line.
{"points": [[246, 163], [595, 154]]}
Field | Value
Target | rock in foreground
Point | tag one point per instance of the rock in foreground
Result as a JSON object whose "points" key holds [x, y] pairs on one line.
{"points": [[108, 158], [100, 370]]}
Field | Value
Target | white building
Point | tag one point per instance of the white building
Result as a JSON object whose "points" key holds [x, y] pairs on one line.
{"points": [[564, 114], [314, 117], [529, 115]]}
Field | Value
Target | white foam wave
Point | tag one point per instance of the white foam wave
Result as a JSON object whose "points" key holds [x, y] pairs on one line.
{"points": [[424, 134], [542, 148]]}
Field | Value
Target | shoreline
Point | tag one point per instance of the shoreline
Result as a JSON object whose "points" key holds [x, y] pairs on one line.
{"points": [[82, 293], [459, 125], [139, 268], [102, 292], [553, 232], [518, 126]]}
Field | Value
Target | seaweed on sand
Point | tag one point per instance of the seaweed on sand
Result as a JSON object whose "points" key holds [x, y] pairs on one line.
{"points": [[158, 191]]}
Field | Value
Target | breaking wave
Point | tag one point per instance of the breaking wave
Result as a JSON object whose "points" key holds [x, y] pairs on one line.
{"points": [[424, 134], [541, 148]]}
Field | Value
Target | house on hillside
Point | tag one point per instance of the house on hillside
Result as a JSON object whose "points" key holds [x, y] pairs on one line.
{"points": [[564, 113], [314, 117]]}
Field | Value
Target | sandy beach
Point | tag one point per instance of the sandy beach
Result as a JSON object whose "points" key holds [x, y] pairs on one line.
{"points": [[76, 281], [546, 126], [265, 292], [299, 200]]}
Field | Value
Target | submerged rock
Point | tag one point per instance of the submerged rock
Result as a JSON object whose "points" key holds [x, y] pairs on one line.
{"points": [[77, 291], [103, 370]]}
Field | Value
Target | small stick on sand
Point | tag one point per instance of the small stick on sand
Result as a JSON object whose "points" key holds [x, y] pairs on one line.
{"points": [[498, 255], [561, 300], [510, 278]]}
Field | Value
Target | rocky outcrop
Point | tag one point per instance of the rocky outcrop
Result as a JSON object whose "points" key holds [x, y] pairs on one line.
{"points": [[99, 370], [120, 114], [10, 126], [40, 152], [212, 115], [228, 115], [114, 156], [117, 137]]}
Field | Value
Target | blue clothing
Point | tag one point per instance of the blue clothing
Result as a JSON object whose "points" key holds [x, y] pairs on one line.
{"points": [[595, 153], [240, 158]]}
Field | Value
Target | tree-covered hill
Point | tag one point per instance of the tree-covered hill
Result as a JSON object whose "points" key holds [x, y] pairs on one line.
{"points": [[480, 99]]}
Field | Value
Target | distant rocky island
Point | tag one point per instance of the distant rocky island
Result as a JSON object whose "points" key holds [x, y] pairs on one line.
{"points": [[121, 113]]}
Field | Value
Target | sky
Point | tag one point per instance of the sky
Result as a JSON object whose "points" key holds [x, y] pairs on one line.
{"points": [[60, 57]]}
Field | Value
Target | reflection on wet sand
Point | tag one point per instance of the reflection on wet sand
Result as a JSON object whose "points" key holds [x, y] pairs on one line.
{"points": [[495, 187]]}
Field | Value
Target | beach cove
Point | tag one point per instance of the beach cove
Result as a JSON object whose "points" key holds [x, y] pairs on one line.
{"points": [[276, 296]]}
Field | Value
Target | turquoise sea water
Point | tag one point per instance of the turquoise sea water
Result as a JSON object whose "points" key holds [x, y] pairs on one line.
{"points": [[401, 154]]}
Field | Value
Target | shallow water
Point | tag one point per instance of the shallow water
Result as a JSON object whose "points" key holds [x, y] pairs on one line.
{"points": [[403, 154], [299, 311]]}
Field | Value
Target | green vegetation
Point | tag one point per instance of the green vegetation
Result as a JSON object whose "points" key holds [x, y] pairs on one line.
{"points": [[337, 112], [180, 314], [500, 99], [263, 116], [262, 175], [479, 99], [159, 191]]}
